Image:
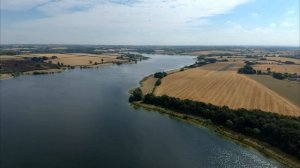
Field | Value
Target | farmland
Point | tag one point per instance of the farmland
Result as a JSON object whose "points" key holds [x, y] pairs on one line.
{"points": [[219, 84], [283, 59], [210, 52], [284, 68], [287, 89], [80, 59], [14, 65], [147, 84]]}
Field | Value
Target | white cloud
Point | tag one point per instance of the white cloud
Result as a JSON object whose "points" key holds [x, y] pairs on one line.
{"points": [[255, 14], [18, 5], [257, 36], [143, 22], [273, 25], [66, 6], [287, 24], [111, 22], [290, 12]]}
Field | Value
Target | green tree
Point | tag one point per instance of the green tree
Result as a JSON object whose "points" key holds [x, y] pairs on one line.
{"points": [[158, 82], [160, 74], [137, 95]]}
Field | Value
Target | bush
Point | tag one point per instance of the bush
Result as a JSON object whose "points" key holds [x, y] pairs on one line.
{"points": [[259, 72], [160, 74], [247, 69], [289, 62], [158, 82], [39, 73], [210, 60], [278, 75], [137, 95]]}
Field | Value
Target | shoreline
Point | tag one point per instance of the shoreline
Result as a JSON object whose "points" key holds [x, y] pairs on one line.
{"points": [[262, 147], [7, 76]]}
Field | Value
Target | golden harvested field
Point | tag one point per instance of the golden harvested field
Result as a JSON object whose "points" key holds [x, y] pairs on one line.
{"points": [[219, 84], [224, 66], [205, 52], [7, 57], [78, 59], [278, 68], [283, 59], [72, 59], [285, 88], [148, 84]]}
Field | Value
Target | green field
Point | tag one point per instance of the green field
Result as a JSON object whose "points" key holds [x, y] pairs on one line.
{"points": [[287, 89]]}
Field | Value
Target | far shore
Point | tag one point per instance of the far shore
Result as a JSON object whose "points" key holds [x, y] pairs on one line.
{"points": [[264, 148], [7, 76], [48, 63]]}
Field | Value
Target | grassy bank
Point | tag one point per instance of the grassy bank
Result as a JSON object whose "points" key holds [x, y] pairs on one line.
{"points": [[264, 148]]}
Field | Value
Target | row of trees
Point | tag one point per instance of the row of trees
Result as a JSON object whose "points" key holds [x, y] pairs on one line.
{"points": [[247, 69], [208, 60], [278, 130], [39, 59]]}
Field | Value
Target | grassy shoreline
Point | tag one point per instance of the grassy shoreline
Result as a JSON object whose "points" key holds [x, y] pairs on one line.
{"points": [[262, 147]]}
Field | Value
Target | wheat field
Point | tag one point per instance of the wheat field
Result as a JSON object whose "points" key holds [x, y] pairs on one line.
{"points": [[148, 84], [219, 84], [278, 68], [283, 59], [78, 59]]}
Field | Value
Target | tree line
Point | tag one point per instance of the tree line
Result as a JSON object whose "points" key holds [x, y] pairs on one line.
{"points": [[248, 69], [278, 130]]}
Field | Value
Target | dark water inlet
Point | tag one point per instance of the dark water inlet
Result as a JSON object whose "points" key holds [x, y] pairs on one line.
{"points": [[81, 118]]}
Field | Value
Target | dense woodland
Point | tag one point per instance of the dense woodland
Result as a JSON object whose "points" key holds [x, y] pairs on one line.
{"points": [[277, 130]]}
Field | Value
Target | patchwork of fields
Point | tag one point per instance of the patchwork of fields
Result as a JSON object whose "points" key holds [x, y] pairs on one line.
{"points": [[285, 68], [78, 59], [283, 59], [72, 59], [220, 84]]}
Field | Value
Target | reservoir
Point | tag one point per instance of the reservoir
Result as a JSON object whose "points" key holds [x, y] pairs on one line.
{"points": [[82, 118]]}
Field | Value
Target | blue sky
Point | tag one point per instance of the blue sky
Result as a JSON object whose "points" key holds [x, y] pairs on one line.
{"points": [[151, 22]]}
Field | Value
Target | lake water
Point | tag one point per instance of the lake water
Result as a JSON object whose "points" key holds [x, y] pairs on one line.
{"points": [[82, 118]]}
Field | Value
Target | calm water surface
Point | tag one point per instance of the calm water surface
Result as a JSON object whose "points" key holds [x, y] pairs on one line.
{"points": [[81, 118]]}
